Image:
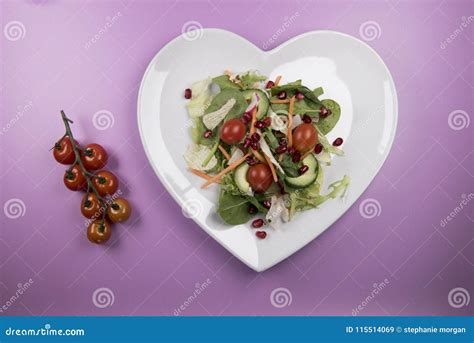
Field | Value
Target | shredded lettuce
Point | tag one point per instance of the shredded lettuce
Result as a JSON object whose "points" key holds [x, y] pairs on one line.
{"points": [[201, 99]]}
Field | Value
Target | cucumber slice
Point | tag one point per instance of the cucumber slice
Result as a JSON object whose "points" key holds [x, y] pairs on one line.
{"points": [[240, 178], [262, 105], [307, 178]]}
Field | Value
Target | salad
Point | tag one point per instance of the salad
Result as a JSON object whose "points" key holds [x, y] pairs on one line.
{"points": [[264, 144]]}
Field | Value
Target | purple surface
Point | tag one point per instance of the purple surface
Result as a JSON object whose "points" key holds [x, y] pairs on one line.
{"points": [[153, 263]]}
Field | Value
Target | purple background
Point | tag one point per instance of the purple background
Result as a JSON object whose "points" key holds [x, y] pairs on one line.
{"points": [[152, 263]]}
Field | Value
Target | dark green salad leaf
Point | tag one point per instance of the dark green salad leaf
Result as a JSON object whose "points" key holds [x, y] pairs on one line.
{"points": [[325, 125], [222, 98], [233, 209]]}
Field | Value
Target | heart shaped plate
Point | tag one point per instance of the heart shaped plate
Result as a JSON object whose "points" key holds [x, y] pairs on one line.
{"points": [[349, 71]]}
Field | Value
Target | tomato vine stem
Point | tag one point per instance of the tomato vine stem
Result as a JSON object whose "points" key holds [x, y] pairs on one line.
{"points": [[78, 161]]}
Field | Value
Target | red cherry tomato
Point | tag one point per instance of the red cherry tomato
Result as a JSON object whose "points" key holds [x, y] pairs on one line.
{"points": [[91, 206], [305, 137], [105, 183], [63, 151], [259, 177], [75, 179], [119, 211], [233, 131], [94, 157], [99, 231]]}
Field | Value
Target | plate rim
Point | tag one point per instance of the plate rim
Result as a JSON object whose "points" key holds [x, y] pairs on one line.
{"points": [[170, 190]]}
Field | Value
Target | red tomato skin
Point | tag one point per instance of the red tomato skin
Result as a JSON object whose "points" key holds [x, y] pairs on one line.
{"points": [[259, 176], [63, 151], [233, 131], [96, 158], [305, 137]]}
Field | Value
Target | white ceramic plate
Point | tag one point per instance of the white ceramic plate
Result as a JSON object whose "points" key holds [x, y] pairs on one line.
{"points": [[350, 73]]}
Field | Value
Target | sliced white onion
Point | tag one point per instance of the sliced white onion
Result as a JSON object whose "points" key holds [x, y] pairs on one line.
{"points": [[213, 119], [266, 150], [253, 103]]}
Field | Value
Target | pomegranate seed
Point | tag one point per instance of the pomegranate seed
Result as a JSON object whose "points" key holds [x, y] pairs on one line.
{"points": [[270, 84], [255, 137], [207, 134], [281, 149], [252, 209], [255, 145], [259, 124], [247, 116], [307, 119], [318, 148], [267, 121], [303, 169], [291, 150], [299, 96], [337, 141], [323, 112], [257, 223], [250, 160], [261, 234], [296, 157], [283, 141], [247, 142], [188, 93], [267, 203], [282, 95], [244, 120]]}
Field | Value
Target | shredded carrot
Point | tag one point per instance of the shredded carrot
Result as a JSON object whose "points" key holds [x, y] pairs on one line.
{"points": [[285, 101], [290, 121], [202, 174], [277, 80], [224, 152], [272, 168], [258, 156], [254, 119], [224, 171]]}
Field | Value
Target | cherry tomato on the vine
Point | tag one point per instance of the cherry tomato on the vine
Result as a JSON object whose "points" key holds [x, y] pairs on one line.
{"points": [[119, 210], [105, 183], [99, 231], [94, 157], [75, 179], [63, 151], [91, 206]]}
